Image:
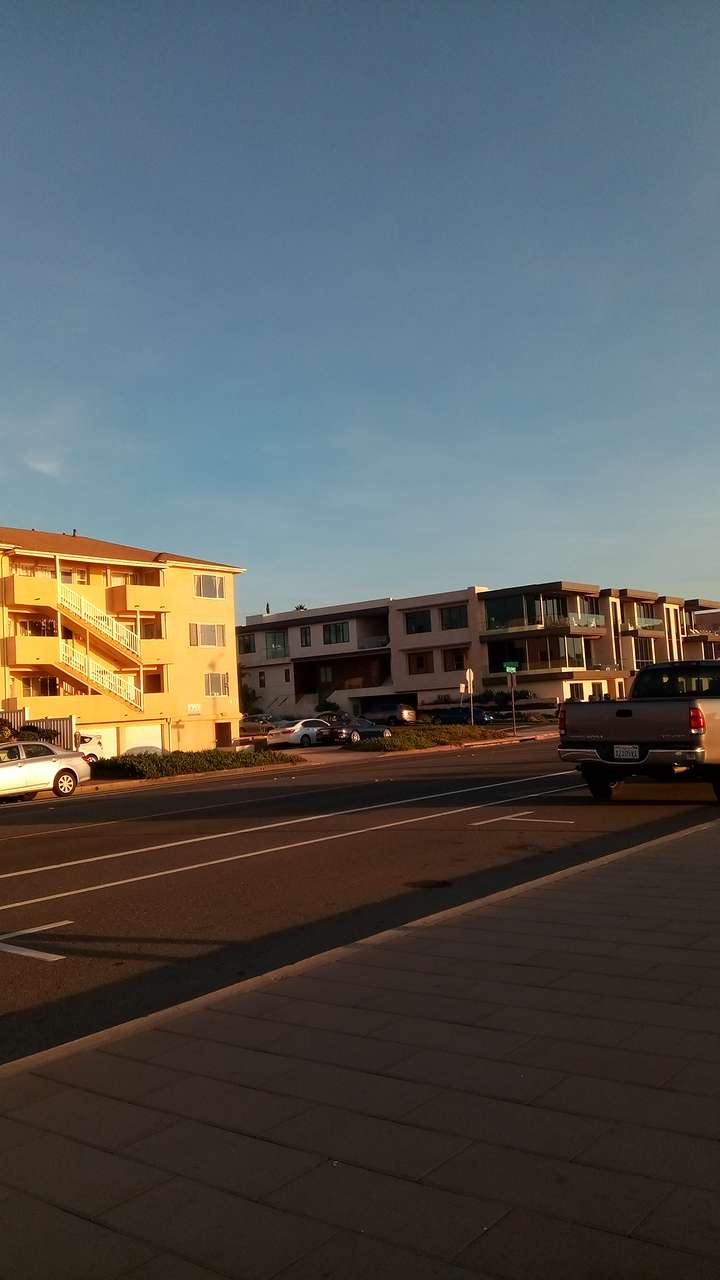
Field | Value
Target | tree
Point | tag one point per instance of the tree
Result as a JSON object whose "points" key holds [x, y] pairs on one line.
{"points": [[249, 700]]}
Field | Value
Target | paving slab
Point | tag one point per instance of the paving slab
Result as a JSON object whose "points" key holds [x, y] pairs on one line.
{"points": [[525, 1088]]}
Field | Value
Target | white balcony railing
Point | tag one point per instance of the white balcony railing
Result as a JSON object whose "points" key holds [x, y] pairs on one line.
{"points": [[103, 622], [96, 673]]}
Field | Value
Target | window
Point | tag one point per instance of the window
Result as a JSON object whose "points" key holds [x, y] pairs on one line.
{"points": [[8, 754], [678, 682], [575, 651], [246, 641], [505, 612], [577, 693], [152, 682], [210, 585], [305, 637], [207, 634], [150, 629], [217, 684], [34, 750], [33, 569], [454, 660], [555, 609], [37, 627], [421, 664], [453, 616], [336, 633], [418, 621], [644, 651], [261, 679], [325, 675], [39, 686], [287, 675], [597, 691], [276, 644]]}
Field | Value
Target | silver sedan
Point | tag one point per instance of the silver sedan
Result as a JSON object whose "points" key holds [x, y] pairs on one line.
{"points": [[29, 767], [299, 733]]}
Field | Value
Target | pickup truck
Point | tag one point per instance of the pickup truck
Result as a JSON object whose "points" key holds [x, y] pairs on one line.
{"points": [[668, 727]]}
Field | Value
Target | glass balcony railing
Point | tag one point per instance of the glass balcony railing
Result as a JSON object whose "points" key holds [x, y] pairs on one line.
{"points": [[648, 623], [595, 621], [374, 642]]}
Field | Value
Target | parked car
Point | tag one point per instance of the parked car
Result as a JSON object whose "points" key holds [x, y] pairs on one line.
{"points": [[461, 715], [29, 767], [393, 713], [90, 744], [355, 730], [300, 733], [150, 750]]}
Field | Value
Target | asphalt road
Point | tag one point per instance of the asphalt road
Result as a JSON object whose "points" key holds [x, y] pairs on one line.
{"points": [[148, 897]]}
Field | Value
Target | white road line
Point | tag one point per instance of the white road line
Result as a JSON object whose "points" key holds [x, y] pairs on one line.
{"points": [[486, 822], [279, 848], [26, 951], [270, 826], [552, 822]]}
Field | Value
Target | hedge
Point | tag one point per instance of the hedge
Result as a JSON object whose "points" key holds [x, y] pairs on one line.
{"points": [[168, 764], [431, 736]]}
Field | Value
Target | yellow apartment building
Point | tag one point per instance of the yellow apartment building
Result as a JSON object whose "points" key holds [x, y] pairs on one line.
{"points": [[138, 646]]}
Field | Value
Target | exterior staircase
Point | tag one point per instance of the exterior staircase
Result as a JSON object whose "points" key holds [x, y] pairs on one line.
{"points": [[100, 677], [101, 625]]}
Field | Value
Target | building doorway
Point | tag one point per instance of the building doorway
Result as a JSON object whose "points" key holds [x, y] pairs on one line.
{"points": [[223, 734]]}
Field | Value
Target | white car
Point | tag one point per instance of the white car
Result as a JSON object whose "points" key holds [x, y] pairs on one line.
{"points": [[299, 733], [29, 767]]}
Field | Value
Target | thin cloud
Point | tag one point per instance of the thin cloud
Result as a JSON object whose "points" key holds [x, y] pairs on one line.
{"points": [[45, 466]]}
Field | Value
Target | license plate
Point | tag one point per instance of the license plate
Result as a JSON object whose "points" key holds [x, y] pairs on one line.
{"points": [[626, 753]]}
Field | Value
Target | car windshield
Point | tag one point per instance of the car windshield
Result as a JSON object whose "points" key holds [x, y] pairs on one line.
{"points": [[680, 682]]}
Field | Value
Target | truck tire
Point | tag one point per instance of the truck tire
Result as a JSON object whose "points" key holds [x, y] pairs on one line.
{"points": [[716, 788], [599, 785]]}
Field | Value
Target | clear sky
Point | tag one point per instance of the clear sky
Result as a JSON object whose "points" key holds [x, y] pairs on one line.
{"points": [[371, 296]]}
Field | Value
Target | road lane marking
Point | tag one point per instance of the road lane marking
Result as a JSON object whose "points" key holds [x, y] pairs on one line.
{"points": [[503, 817], [279, 848], [27, 951], [270, 826], [552, 822]]}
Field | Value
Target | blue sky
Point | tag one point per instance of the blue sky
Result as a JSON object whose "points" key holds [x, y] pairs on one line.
{"points": [[371, 296]]}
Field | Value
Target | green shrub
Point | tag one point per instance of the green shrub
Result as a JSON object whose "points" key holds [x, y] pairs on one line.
{"points": [[434, 736], [172, 763]]}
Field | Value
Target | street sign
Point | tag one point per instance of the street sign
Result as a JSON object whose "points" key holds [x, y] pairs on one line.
{"points": [[470, 678], [511, 667]]}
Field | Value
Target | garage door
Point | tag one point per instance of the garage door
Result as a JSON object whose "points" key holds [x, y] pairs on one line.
{"points": [[143, 735]]}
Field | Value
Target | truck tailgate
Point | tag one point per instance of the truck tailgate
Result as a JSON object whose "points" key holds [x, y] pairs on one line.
{"points": [[646, 720]]}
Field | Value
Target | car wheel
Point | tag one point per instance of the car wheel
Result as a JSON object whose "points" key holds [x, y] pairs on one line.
{"points": [[92, 758], [305, 741], [65, 783], [387, 733], [354, 736], [600, 787]]}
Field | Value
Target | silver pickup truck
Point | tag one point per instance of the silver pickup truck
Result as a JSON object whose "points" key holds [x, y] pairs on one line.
{"points": [[668, 727]]}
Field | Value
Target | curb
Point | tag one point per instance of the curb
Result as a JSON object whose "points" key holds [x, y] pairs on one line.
{"points": [[135, 1025]]}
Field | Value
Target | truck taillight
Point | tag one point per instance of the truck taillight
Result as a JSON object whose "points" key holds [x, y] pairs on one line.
{"points": [[697, 720], [562, 719]]}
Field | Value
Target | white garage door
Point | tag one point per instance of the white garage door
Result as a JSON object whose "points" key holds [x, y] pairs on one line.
{"points": [[143, 735]]}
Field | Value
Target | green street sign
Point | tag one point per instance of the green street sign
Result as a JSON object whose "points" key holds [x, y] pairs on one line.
{"points": [[511, 667]]}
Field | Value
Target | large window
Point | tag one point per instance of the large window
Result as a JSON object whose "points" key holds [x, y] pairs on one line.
{"points": [[644, 651], [246, 641], [421, 663], [556, 609], [575, 651], [39, 686], [577, 692], [418, 621], [217, 684], [305, 637], [453, 616], [505, 612], [207, 634], [211, 585], [325, 675], [336, 633], [454, 659], [276, 644]]}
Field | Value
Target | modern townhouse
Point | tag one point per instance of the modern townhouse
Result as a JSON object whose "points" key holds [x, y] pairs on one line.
{"points": [[136, 645], [567, 640]]}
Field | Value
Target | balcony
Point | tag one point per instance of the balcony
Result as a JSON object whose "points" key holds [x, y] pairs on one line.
{"points": [[31, 651], [374, 642], [129, 599], [579, 621], [643, 622], [30, 593]]}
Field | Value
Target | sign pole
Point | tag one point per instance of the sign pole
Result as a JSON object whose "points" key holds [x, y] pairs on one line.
{"points": [[512, 696], [470, 678]]}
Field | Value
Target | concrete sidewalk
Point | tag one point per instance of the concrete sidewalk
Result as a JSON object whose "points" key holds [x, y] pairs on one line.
{"points": [[526, 1088]]}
